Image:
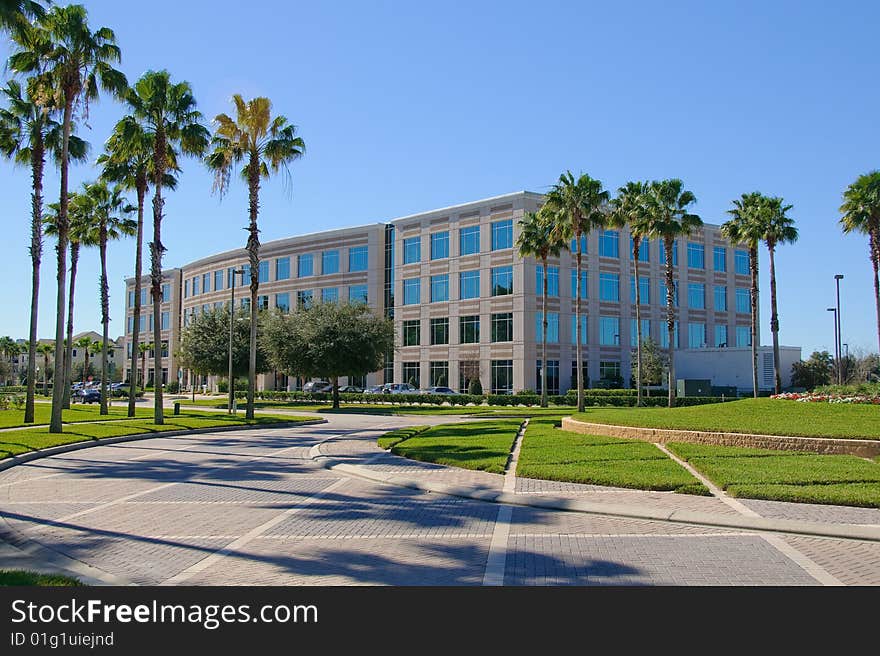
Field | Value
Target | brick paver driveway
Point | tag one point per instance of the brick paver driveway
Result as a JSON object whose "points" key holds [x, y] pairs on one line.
{"points": [[251, 507]]}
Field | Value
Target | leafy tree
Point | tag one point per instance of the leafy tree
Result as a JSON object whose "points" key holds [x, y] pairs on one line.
{"points": [[328, 340], [813, 372], [204, 343], [654, 362], [263, 144]]}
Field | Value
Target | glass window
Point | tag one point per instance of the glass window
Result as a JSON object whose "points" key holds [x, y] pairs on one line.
{"points": [[502, 234], [663, 252], [146, 296], [644, 250], [439, 245], [330, 295], [305, 266], [552, 327], [468, 370], [282, 302], [644, 290], [412, 329], [743, 336], [469, 329], [720, 335], [741, 262], [609, 243], [304, 299], [502, 327], [218, 280], [329, 262], [440, 288], [263, 272], [440, 331], [166, 320], [130, 298], [469, 240], [412, 373], [584, 324], [552, 280], [664, 335], [142, 323], [609, 287], [743, 304], [439, 373], [610, 371], [697, 295], [719, 258], [721, 298], [412, 250], [502, 281], [552, 376], [218, 305], [130, 324], [358, 259], [262, 302], [573, 246], [245, 303], [195, 286], [230, 275], [584, 375], [282, 268], [696, 335], [469, 284], [696, 256], [609, 331], [633, 333], [357, 294], [166, 292], [150, 317], [411, 288], [663, 290], [206, 283], [502, 376], [585, 287]]}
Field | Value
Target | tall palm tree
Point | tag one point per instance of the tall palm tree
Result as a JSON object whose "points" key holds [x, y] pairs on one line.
{"points": [[167, 113], [109, 211], [84, 343], [263, 144], [539, 239], [861, 213], [779, 229], [630, 208], [46, 349], [577, 207], [668, 218], [143, 348], [128, 160], [8, 348], [69, 63], [748, 226], [14, 14]]}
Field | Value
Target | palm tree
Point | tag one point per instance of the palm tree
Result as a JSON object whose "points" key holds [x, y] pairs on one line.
{"points": [[109, 223], [46, 349], [577, 206], [69, 62], [9, 348], [861, 213], [668, 218], [263, 144], [537, 238], [779, 229], [143, 348], [84, 343], [748, 227], [129, 162], [14, 14], [630, 207], [168, 115]]}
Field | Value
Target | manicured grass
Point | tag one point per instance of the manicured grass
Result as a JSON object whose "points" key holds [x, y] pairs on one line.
{"points": [[482, 445], [20, 441], [764, 416], [786, 475], [22, 577], [388, 440], [552, 454], [77, 412]]}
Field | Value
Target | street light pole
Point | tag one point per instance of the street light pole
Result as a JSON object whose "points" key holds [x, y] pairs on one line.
{"points": [[836, 348], [231, 385], [837, 278]]}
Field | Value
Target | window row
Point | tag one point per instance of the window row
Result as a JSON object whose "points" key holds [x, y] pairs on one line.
{"points": [[468, 286], [468, 242], [500, 382], [146, 322], [501, 330], [146, 297]]}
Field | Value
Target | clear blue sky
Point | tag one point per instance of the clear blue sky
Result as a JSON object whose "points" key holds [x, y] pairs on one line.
{"points": [[407, 106]]}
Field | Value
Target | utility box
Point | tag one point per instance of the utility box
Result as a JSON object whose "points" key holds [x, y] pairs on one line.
{"points": [[693, 387]]}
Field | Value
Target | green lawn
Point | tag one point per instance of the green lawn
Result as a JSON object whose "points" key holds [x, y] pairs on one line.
{"points": [[765, 416], [388, 440], [786, 475], [77, 412], [552, 454], [22, 577], [482, 445], [20, 441]]}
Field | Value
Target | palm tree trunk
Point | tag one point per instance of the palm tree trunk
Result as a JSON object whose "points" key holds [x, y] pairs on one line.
{"points": [[38, 161], [156, 250], [335, 382], [85, 365], [105, 318], [753, 268], [874, 245], [636, 248], [544, 337], [68, 346], [253, 249], [45, 375], [144, 370], [58, 390], [670, 317], [578, 349], [135, 329], [774, 320]]}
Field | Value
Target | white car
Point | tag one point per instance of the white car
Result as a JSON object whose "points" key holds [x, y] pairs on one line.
{"points": [[398, 388], [317, 386], [438, 390]]}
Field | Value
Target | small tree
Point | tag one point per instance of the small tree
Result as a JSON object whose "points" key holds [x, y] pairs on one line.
{"points": [[204, 343], [813, 372], [654, 362], [328, 340]]}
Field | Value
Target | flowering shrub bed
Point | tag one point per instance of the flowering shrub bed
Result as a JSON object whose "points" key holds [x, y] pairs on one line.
{"points": [[816, 397]]}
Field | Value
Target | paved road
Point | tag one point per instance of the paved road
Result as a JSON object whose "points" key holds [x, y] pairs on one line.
{"points": [[251, 507]]}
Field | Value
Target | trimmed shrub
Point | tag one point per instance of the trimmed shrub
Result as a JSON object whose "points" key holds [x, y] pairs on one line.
{"points": [[173, 387], [475, 387]]}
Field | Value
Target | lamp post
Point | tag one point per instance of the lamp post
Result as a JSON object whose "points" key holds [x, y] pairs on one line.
{"points": [[837, 278], [836, 348], [232, 275]]}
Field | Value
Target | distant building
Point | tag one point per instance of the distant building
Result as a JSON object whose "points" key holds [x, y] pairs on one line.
{"points": [[732, 367]]}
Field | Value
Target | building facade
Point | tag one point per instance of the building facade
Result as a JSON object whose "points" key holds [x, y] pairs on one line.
{"points": [[466, 305]]}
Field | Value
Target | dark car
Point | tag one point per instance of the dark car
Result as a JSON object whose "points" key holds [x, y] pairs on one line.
{"points": [[87, 396], [351, 389]]}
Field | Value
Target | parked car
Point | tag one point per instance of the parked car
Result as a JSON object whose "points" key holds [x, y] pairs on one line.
{"points": [[438, 390], [375, 389], [398, 388], [350, 389], [87, 396], [317, 386]]}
